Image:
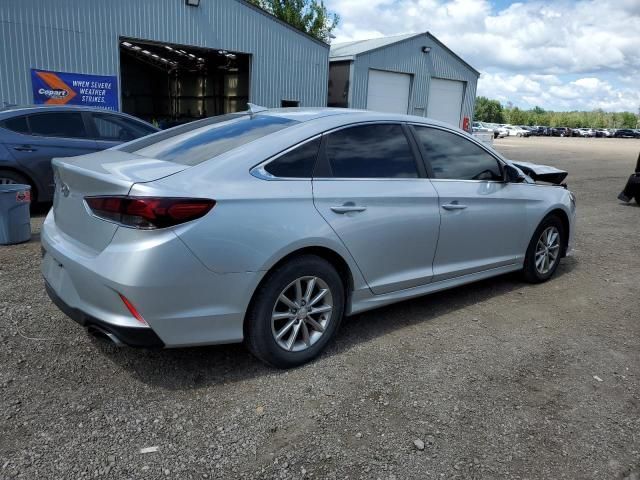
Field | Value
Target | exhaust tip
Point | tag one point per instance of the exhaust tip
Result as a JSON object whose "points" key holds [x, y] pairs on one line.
{"points": [[104, 335]]}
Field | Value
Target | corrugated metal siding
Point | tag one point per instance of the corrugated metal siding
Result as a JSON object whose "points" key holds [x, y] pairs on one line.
{"points": [[407, 57], [82, 36]]}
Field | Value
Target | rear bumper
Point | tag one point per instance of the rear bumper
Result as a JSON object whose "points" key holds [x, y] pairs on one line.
{"points": [[182, 302], [134, 337]]}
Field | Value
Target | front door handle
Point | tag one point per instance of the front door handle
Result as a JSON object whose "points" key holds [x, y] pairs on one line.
{"points": [[348, 207], [454, 206], [24, 148]]}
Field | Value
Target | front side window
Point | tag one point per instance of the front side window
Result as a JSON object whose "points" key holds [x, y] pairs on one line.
{"points": [[371, 151], [297, 163], [58, 124], [454, 157]]}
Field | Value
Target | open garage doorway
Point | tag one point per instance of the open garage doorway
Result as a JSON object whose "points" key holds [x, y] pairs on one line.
{"points": [[169, 84]]}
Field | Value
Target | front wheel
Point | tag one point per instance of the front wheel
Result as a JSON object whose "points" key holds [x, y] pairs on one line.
{"points": [[295, 312], [544, 251]]}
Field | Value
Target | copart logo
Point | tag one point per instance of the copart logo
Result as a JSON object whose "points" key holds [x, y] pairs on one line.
{"points": [[53, 92]]}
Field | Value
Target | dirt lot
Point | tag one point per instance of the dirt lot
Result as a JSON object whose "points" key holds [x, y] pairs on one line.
{"points": [[498, 379]]}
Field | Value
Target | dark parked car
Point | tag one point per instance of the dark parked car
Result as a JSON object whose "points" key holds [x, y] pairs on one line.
{"points": [[31, 136], [626, 133], [560, 132], [632, 189]]}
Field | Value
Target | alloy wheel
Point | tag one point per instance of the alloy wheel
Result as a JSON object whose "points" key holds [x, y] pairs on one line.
{"points": [[301, 313], [547, 250]]}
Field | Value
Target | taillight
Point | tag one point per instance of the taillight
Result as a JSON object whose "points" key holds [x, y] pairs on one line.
{"points": [[148, 213]]}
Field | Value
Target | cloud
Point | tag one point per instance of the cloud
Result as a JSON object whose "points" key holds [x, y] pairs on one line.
{"points": [[552, 93], [526, 46]]}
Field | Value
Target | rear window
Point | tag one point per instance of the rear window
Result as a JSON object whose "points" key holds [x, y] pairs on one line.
{"points": [[16, 124], [199, 141]]}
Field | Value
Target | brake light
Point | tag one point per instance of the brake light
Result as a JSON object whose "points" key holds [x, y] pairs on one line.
{"points": [[149, 213]]}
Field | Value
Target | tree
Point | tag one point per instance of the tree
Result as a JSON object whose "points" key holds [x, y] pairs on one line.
{"points": [[488, 110], [309, 16], [628, 120], [517, 116]]}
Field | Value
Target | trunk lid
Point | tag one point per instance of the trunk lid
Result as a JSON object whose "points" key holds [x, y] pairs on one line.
{"points": [[110, 172]]}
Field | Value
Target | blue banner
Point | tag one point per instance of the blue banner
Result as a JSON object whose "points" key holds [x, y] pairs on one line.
{"points": [[63, 88]]}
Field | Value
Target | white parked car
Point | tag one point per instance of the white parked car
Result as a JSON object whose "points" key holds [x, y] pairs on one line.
{"points": [[502, 131], [517, 131]]}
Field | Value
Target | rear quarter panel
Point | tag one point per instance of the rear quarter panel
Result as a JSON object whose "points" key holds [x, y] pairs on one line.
{"points": [[254, 224]]}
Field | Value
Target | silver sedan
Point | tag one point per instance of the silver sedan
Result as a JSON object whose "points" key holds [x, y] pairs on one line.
{"points": [[269, 226]]}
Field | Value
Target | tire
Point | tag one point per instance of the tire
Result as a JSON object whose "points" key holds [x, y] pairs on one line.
{"points": [[532, 271], [260, 330], [638, 199]]}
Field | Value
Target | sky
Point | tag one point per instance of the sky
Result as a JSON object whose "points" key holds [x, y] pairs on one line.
{"points": [[560, 55]]}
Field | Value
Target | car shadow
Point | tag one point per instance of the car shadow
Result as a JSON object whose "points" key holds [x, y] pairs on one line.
{"points": [[198, 367]]}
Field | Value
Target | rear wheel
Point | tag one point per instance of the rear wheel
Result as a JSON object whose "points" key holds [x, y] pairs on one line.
{"points": [[295, 312], [545, 249]]}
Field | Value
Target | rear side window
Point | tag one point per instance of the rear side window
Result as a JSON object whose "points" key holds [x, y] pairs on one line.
{"points": [[115, 128], [199, 141], [16, 124], [58, 124], [456, 158], [297, 163], [371, 151]]}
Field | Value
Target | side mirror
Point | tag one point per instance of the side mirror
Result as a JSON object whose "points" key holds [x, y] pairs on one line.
{"points": [[513, 175]]}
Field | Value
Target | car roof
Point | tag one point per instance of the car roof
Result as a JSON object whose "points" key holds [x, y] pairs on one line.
{"points": [[11, 111], [348, 115]]}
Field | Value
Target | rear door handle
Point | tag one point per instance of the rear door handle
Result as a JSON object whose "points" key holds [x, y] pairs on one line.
{"points": [[454, 206], [346, 208], [24, 148]]}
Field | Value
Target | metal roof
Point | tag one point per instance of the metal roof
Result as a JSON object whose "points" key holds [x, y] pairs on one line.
{"points": [[350, 50]]}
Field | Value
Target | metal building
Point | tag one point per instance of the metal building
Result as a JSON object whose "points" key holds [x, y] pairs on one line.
{"points": [[169, 59], [413, 73]]}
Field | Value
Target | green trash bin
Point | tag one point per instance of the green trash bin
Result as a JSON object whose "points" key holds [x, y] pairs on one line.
{"points": [[15, 222]]}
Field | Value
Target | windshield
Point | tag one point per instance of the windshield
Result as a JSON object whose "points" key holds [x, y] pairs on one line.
{"points": [[199, 141]]}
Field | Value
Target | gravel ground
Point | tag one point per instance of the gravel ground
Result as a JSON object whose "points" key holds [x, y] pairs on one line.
{"points": [[493, 380]]}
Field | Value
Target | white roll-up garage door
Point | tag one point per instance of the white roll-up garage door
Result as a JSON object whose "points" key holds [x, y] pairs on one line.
{"points": [[388, 91], [445, 100]]}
